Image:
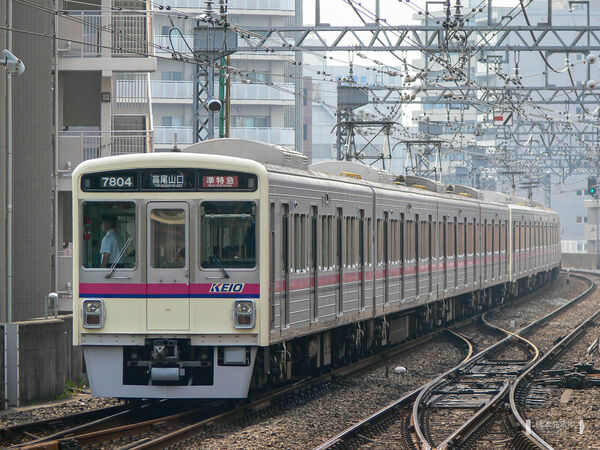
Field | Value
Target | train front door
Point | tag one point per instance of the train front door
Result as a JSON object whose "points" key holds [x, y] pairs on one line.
{"points": [[167, 265]]}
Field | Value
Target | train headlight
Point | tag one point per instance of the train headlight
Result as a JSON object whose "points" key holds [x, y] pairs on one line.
{"points": [[93, 313], [244, 313]]}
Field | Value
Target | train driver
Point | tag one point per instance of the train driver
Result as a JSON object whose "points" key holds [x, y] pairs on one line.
{"points": [[111, 244]]}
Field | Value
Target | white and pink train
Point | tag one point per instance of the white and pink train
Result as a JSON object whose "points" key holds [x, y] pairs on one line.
{"points": [[236, 265]]}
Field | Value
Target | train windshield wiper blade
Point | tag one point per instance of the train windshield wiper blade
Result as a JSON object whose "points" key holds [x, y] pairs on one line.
{"points": [[119, 256], [217, 261]]}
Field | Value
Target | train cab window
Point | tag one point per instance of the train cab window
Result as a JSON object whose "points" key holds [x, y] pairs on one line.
{"points": [[108, 235], [167, 231], [228, 234]]}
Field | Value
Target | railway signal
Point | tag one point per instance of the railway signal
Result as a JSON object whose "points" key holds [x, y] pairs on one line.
{"points": [[592, 187]]}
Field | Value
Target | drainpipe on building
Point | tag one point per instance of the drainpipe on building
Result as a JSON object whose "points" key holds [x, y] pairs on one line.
{"points": [[55, 143], [9, 172]]}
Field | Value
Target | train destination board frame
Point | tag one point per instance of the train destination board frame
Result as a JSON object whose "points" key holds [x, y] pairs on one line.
{"points": [[169, 179]]}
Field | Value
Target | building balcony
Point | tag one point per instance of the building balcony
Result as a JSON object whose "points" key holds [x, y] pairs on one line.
{"points": [[126, 47], [77, 146], [243, 5], [163, 91], [176, 42], [241, 93], [164, 136], [131, 93]]}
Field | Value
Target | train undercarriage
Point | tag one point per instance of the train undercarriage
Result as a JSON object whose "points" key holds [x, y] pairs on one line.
{"points": [[320, 352]]}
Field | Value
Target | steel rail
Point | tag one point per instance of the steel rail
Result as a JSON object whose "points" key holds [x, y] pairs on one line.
{"points": [[115, 414], [476, 420], [411, 396], [530, 434], [389, 409], [80, 435]]}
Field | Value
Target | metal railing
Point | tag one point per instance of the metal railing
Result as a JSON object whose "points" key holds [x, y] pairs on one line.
{"points": [[130, 34], [242, 91], [129, 37], [279, 136], [130, 93], [176, 43], [84, 28], [273, 5], [165, 89], [97, 144], [172, 89]]}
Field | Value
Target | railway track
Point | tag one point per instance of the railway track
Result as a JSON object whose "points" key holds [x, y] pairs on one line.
{"points": [[168, 429], [54, 425], [526, 382], [468, 396]]}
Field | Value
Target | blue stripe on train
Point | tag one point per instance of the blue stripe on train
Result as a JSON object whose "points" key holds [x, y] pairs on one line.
{"points": [[169, 296]]}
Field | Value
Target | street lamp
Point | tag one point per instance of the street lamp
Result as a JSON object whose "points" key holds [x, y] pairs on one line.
{"points": [[13, 65]]}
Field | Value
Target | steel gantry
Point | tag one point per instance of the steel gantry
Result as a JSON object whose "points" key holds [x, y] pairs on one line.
{"points": [[452, 45]]}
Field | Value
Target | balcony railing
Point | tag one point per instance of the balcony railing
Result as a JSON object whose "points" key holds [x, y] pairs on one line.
{"points": [[242, 91], [129, 36], [97, 144], [273, 5], [278, 136], [130, 93], [239, 91], [175, 43], [172, 89]]}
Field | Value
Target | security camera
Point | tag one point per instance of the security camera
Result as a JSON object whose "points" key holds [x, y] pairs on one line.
{"points": [[214, 105], [13, 65]]}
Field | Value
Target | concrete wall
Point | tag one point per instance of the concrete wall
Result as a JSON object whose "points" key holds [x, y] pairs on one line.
{"points": [[47, 359], [579, 261], [33, 161]]}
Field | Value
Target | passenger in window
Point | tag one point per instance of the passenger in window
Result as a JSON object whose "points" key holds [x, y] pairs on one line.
{"points": [[112, 243]]}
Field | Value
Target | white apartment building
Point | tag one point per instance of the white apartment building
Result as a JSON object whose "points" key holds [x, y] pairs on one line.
{"points": [[258, 111], [102, 101]]}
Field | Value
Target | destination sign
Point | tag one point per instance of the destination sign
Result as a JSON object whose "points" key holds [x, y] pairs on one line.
{"points": [[220, 181], [169, 179]]}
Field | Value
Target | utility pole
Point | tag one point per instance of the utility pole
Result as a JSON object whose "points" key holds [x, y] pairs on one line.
{"points": [[212, 40]]}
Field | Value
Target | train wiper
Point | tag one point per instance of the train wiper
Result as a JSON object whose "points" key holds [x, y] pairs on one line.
{"points": [[217, 261], [119, 256]]}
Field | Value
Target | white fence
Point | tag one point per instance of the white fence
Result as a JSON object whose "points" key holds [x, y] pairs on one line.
{"points": [[279, 136]]}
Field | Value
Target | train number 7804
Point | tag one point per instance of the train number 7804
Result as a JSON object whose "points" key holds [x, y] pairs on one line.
{"points": [[117, 182]]}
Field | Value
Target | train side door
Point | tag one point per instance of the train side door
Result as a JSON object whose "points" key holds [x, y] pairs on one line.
{"points": [[168, 288]]}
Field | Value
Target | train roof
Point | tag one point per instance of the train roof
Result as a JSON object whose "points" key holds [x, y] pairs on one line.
{"points": [[275, 157], [281, 159]]}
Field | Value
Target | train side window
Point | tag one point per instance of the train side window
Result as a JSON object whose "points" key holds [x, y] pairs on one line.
{"points": [[228, 231], [379, 241], [324, 237], [461, 238], [470, 238], [426, 239], [369, 258], [450, 240], [503, 237], [109, 226]]}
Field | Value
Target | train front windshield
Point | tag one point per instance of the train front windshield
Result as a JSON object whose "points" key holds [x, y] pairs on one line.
{"points": [[108, 234], [228, 234]]}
